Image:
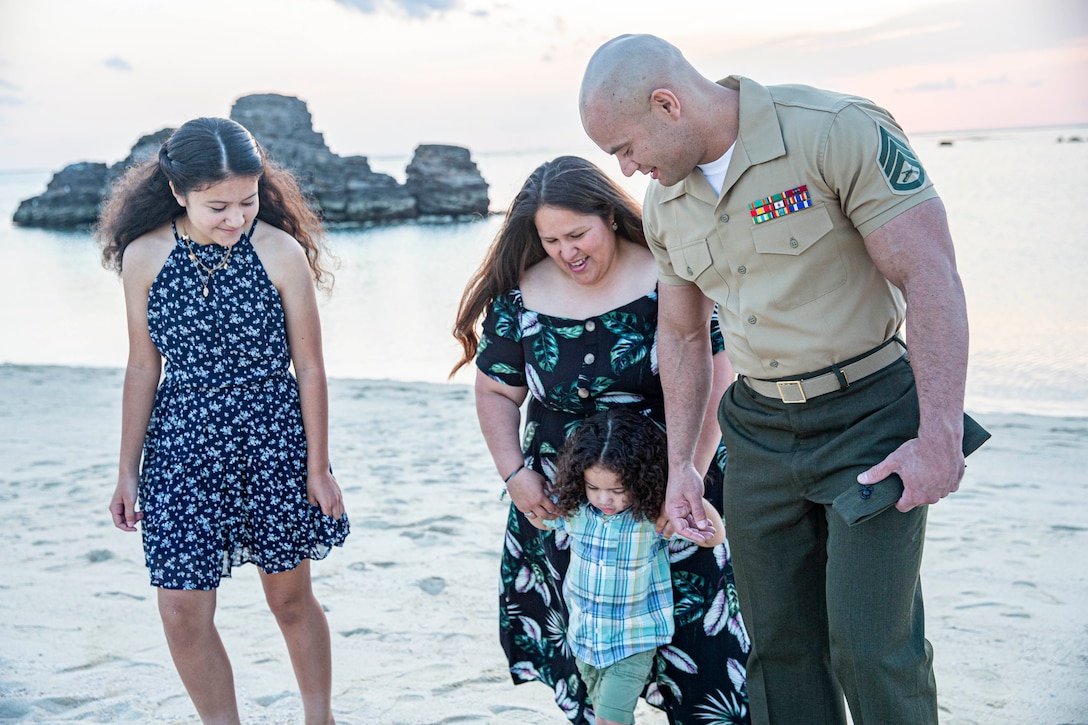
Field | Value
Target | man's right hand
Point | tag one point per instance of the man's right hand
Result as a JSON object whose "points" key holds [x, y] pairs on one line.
{"points": [[684, 505]]}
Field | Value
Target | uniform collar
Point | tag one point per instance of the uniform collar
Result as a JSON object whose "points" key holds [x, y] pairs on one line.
{"points": [[760, 133], [759, 140]]}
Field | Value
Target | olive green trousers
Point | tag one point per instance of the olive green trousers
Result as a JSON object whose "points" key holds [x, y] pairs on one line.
{"points": [[833, 608]]}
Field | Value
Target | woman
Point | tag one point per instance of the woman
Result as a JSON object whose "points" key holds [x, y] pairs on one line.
{"points": [[568, 293], [219, 253]]}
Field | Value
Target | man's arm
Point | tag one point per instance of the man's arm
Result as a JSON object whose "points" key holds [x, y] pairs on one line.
{"points": [[914, 251], [684, 358], [711, 435]]}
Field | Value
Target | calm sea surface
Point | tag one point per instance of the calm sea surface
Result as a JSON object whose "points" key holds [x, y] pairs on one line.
{"points": [[1017, 208]]}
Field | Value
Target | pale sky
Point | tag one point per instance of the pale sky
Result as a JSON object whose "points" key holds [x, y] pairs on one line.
{"points": [[82, 80]]}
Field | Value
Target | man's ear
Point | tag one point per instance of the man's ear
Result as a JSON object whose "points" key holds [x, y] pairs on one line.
{"points": [[662, 99]]}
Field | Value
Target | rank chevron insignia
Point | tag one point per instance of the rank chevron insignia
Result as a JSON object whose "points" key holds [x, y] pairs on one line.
{"points": [[900, 166]]}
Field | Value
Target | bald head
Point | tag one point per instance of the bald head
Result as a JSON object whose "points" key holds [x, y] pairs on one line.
{"points": [[642, 102], [622, 74]]}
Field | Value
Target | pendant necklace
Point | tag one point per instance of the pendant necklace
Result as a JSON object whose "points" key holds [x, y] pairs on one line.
{"points": [[200, 263]]}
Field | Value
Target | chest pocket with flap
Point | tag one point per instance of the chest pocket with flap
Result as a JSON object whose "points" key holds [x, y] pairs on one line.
{"points": [[690, 259], [803, 261]]}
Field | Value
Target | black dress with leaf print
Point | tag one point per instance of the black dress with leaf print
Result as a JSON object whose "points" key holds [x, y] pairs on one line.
{"points": [[223, 480], [574, 368]]}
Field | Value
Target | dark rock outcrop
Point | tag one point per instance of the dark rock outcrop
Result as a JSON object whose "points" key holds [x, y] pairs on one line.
{"points": [[146, 148], [344, 187], [72, 198], [442, 181]]}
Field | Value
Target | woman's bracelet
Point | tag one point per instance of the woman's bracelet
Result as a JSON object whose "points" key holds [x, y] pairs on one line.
{"points": [[508, 479]]}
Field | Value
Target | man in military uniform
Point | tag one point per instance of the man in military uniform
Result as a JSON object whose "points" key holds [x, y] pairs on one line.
{"points": [[807, 217]]}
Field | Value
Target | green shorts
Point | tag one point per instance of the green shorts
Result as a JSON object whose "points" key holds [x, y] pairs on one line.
{"points": [[614, 690]]}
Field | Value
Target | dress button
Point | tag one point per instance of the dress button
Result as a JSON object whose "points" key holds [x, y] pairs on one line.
{"points": [[742, 269], [724, 218], [794, 243], [751, 319], [588, 359], [583, 393], [591, 326], [689, 270], [774, 363]]}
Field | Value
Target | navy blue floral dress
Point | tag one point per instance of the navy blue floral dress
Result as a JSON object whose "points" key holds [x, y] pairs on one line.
{"points": [[574, 368], [223, 480]]}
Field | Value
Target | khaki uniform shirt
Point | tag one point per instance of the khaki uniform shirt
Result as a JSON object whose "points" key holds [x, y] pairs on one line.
{"points": [[796, 287]]}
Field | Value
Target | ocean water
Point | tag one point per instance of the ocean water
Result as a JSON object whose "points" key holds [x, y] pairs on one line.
{"points": [[1016, 205]]}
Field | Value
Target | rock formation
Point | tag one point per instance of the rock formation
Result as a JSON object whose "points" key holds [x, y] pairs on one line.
{"points": [[442, 181], [344, 187], [71, 199]]}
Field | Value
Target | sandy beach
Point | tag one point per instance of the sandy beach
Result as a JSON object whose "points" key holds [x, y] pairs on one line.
{"points": [[411, 598]]}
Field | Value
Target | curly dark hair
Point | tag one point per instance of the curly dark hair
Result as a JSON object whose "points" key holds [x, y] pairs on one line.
{"points": [[624, 442]]}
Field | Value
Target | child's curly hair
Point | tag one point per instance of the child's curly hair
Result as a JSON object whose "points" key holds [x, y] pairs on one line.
{"points": [[622, 441]]}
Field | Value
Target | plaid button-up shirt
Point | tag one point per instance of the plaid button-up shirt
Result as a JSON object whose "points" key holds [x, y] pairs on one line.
{"points": [[618, 587]]}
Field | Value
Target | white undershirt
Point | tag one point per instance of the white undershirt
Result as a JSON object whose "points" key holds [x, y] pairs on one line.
{"points": [[715, 170]]}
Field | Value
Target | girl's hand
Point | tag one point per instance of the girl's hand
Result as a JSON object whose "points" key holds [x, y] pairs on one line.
{"points": [[663, 525], [123, 504], [323, 491], [529, 493]]}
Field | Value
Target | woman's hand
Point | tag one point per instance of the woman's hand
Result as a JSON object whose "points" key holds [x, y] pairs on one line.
{"points": [[323, 491], [123, 504], [528, 491]]}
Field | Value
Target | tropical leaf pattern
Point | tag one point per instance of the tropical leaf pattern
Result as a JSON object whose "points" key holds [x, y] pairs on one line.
{"points": [[572, 369]]}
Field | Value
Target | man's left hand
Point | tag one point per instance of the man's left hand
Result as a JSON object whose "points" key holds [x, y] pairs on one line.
{"points": [[928, 474]]}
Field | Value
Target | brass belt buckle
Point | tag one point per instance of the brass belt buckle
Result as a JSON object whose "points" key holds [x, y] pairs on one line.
{"points": [[791, 391]]}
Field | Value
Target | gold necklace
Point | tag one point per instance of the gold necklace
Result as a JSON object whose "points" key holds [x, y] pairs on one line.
{"points": [[200, 263]]}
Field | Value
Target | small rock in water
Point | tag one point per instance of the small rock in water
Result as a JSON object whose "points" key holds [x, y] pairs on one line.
{"points": [[433, 585]]}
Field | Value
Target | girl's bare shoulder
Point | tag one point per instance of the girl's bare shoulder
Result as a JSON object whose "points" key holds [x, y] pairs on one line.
{"points": [[145, 255], [273, 242], [281, 255]]}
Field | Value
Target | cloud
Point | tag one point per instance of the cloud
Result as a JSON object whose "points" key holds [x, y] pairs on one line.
{"points": [[933, 34], [117, 63], [9, 86], [951, 85], [364, 6], [412, 8], [7, 100], [946, 85]]}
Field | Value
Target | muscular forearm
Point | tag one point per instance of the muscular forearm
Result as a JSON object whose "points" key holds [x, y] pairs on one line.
{"points": [[686, 379], [937, 336], [914, 252], [710, 435]]}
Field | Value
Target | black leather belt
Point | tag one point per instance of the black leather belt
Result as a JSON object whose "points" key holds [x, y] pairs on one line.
{"points": [[805, 389]]}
